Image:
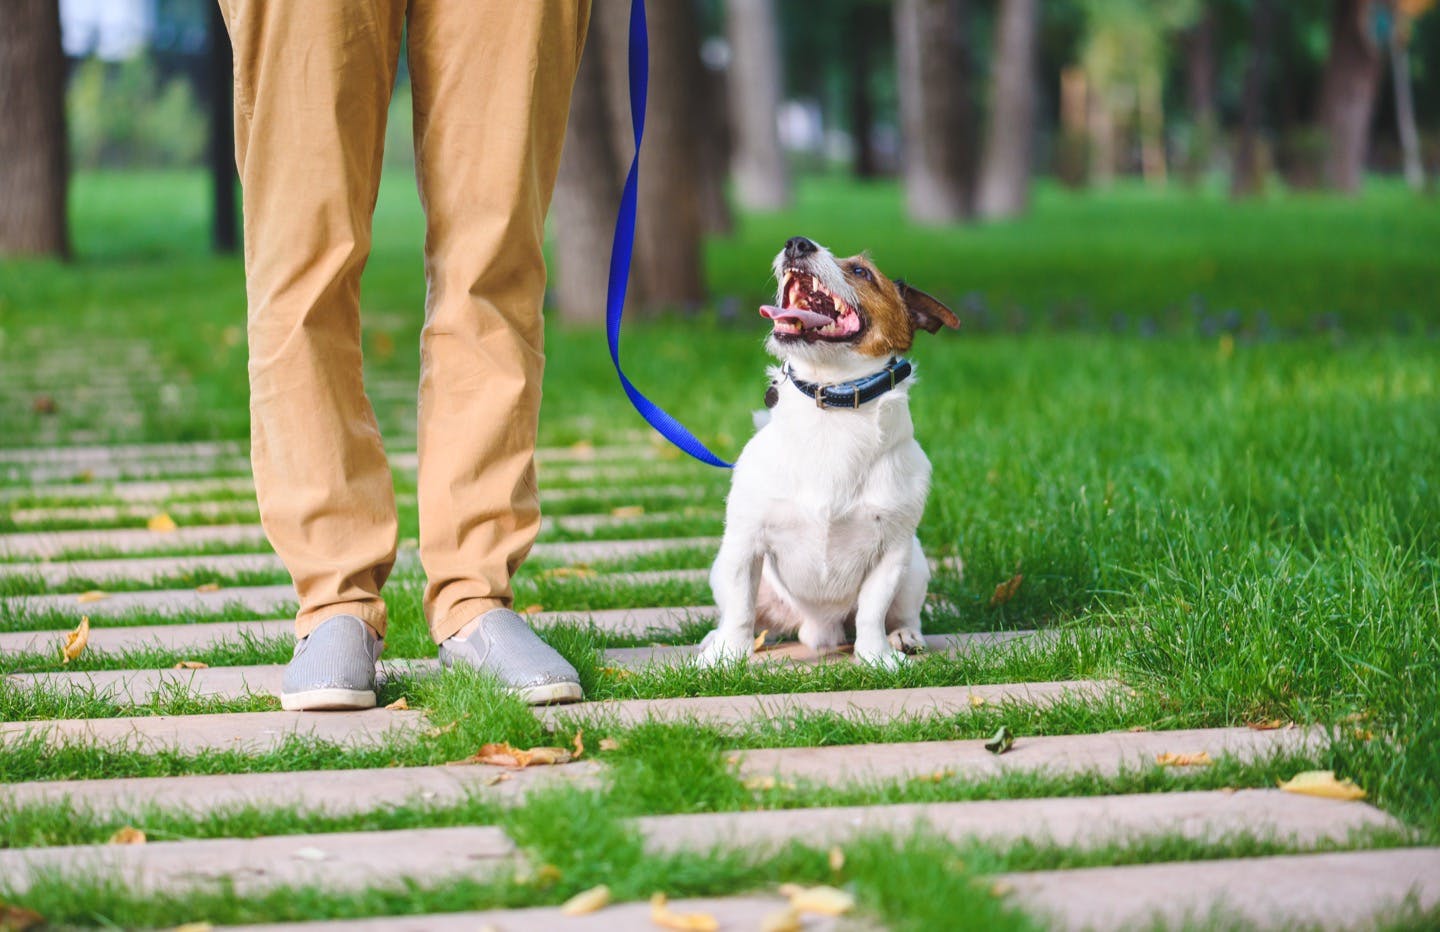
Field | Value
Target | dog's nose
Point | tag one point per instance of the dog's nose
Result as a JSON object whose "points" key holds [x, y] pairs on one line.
{"points": [[798, 247]]}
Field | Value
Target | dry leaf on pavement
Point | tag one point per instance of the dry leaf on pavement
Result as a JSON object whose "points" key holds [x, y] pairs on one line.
{"points": [[578, 571], [1002, 741], [836, 857], [663, 916], [75, 641], [1006, 590], [1172, 759], [94, 595], [208, 587], [1322, 783], [785, 920], [827, 901], [587, 902], [627, 511], [579, 745], [976, 701], [192, 927], [1270, 724], [506, 755], [128, 836], [399, 705], [760, 639], [532, 610], [192, 665], [161, 523]]}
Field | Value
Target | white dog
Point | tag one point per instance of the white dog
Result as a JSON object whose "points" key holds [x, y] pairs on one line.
{"points": [[820, 522]]}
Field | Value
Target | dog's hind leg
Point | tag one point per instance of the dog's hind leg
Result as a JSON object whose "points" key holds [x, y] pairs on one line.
{"points": [[903, 620]]}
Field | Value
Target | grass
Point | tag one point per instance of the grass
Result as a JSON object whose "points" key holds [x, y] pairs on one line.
{"points": [[1205, 435]]}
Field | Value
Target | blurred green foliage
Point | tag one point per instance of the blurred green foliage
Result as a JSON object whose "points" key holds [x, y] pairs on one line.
{"points": [[123, 114]]}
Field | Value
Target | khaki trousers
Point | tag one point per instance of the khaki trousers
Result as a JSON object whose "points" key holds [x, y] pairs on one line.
{"points": [[491, 82]]}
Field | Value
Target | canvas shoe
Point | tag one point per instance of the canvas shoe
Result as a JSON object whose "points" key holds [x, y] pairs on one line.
{"points": [[504, 646], [333, 668]]}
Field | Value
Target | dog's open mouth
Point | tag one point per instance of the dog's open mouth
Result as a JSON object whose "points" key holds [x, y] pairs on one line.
{"points": [[810, 311]]}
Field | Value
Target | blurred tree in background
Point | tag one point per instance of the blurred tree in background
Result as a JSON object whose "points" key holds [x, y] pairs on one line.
{"points": [[967, 102]]}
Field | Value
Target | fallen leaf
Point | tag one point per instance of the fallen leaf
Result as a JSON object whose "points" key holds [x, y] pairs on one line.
{"points": [[627, 511], [579, 745], [587, 902], [836, 857], [1136, 729], [663, 916], [619, 673], [208, 587], [1006, 590], [94, 595], [85, 475], [1172, 759], [310, 854], [43, 404], [578, 571], [1322, 783], [75, 641], [399, 705], [760, 639], [533, 609], [505, 755], [976, 701], [762, 784], [1001, 888], [1001, 742], [127, 836], [784, 920], [826, 901], [445, 730], [189, 927], [161, 523], [609, 744], [1270, 724], [496, 779], [543, 876], [18, 919], [192, 665], [939, 776]]}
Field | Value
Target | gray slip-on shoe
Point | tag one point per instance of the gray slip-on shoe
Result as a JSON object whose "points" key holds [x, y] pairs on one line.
{"points": [[504, 646], [333, 668]]}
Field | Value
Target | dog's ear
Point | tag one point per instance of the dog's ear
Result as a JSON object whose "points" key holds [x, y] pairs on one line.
{"points": [[926, 313]]}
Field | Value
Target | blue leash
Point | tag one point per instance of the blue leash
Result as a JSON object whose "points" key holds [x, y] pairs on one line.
{"points": [[623, 248]]}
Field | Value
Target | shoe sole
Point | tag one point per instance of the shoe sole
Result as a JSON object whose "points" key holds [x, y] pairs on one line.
{"points": [[550, 694], [327, 700]]}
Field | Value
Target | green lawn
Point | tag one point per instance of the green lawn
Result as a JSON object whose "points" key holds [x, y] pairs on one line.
{"points": [[1240, 522]]}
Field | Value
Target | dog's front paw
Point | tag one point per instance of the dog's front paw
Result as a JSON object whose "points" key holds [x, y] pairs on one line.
{"points": [[716, 649], [882, 658], [907, 640]]}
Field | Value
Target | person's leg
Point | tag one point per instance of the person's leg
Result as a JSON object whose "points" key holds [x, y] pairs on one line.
{"points": [[312, 84], [491, 82]]}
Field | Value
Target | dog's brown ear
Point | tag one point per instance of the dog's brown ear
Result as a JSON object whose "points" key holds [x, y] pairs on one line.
{"points": [[927, 313]]}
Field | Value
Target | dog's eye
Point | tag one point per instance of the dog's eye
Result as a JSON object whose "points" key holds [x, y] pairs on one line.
{"points": [[860, 272]]}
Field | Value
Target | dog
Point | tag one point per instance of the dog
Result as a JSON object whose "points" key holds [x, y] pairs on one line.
{"points": [[825, 498]]}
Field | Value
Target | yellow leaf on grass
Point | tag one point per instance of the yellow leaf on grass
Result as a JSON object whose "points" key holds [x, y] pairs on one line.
{"points": [[609, 744], [128, 836], [18, 919], [1006, 590], [161, 523], [1171, 759], [192, 927], [785, 920], [1270, 724], [836, 857], [827, 901], [208, 587], [760, 639], [620, 673], [587, 902], [627, 511], [192, 665], [663, 916], [578, 571], [1322, 783], [94, 595], [75, 641], [399, 705], [506, 755], [579, 745], [532, 609]]}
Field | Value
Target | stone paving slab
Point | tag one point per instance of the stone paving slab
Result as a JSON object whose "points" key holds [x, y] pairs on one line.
{"points": [[1106, 754], [226, 510], [868, 704], [250, 732], [1339, 890], [156, 490], [795, 652], [622, 622], [107, 453], [238, 682], [738, 912], [107, 571], [182, 637], [341, 860], [46, 545], [1084, 821], [178, 468], [336, 792]]}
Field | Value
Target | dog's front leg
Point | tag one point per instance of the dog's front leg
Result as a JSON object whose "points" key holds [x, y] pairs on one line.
{"points": [[877, 594], [735, 582]]}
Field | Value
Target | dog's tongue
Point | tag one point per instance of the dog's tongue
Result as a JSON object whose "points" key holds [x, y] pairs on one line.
{"points": [[806, 319]]}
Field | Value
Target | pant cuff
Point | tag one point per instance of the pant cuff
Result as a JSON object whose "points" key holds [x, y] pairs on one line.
{"points": [[368, 612], [461, 615]]}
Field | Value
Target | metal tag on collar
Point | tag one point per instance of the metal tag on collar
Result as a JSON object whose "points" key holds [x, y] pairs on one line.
{"points": [[820, 396]]}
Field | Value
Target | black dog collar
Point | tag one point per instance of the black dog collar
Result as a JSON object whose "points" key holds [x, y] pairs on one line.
{"points": [[850, 394]]}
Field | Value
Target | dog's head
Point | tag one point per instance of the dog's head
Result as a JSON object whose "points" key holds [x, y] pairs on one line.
{"points": [[826, 307]]}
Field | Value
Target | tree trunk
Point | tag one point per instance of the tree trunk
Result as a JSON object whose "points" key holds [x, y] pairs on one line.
{"points": [[762, 179], [1347, 97], [668, 220], [1151, 112], [587, 193], [1072, 154], [1247, 176], [935, 112], [1004, 187], [224, 225], [1200, 88], [1405, 108], [861, 33], [33, 152], [716, 146]]}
